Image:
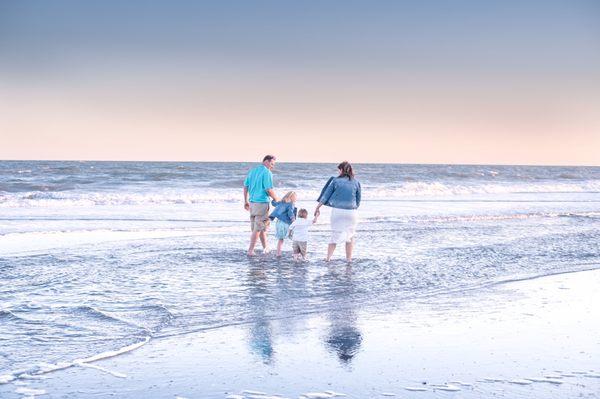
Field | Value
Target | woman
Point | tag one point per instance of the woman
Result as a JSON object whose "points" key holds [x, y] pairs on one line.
{"points": [[342, 193]]}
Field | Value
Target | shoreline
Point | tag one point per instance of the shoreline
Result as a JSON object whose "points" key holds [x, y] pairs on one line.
{"points": [[526, 337]]}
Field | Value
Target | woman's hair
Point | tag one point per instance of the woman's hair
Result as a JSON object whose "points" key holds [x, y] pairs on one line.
{"points": [[288, 197], [346, 170]]}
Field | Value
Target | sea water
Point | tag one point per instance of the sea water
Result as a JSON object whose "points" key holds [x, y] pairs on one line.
{"points": [[99, 258]]}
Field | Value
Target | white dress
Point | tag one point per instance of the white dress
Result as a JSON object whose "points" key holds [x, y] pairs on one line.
{"points": [[343, 225]]}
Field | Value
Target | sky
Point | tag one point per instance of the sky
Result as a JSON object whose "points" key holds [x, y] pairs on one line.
{"points": [[429, 81]]}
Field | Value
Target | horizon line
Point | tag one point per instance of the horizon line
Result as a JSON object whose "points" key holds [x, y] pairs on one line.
{"points": [[309, 162]]}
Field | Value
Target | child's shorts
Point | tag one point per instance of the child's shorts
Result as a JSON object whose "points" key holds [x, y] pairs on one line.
{"points": [[281, 230], [299, 247]]}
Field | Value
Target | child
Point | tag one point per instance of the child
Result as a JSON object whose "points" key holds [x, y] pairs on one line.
{"points": [[285, 212], [299, 232]]}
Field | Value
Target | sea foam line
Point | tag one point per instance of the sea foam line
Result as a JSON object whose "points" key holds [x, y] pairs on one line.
{"points": [[85, 362]]}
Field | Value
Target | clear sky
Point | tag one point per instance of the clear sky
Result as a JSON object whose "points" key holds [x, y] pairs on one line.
{"points": [[369, 81]]}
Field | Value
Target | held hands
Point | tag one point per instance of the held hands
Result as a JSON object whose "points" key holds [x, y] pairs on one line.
{"points": [[317, 213]]}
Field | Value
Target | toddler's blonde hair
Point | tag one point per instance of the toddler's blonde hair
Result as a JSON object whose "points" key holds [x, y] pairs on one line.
{"points": [[289, 197]]}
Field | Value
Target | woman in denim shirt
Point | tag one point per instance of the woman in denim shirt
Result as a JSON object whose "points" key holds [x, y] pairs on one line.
{"points": [[343, 194]]}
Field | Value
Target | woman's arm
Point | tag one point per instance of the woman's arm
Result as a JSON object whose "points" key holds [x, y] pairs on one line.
{"points": [[358, 194], [328, 191], [317, 212]]}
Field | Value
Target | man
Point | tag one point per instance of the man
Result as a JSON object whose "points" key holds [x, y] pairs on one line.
{"points": [[258, 187]]}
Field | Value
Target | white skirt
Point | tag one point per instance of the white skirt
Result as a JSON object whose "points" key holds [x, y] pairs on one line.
{"points": [[343, 225]]}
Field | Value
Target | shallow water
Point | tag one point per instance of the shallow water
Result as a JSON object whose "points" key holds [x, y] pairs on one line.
{"points": [[95, 257]]}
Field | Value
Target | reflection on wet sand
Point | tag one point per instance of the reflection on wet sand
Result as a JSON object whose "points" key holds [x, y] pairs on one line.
{"points": [[344, 337], [260, 337], [274, 287]]}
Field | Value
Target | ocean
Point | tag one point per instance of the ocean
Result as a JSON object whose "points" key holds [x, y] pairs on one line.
{"points": [[99, 258]]}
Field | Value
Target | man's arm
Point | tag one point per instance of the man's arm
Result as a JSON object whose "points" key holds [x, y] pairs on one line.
{"points": [[271, 193], [246, 203]]}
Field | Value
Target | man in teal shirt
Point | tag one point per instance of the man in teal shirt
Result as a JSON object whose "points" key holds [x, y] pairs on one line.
{"points": [[258, 187]]}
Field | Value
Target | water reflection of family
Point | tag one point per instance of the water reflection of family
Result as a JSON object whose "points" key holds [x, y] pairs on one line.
{"points": [[273, 294], [341, 193]]}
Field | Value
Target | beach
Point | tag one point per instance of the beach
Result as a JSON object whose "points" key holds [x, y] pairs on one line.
{"points": [[535, 338], [130, 279]]}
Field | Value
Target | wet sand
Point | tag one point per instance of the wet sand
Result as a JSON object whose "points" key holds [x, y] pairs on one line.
{"points": [[535, 338]]}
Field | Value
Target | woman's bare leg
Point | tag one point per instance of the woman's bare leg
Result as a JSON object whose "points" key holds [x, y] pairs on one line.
{"points": [[349, 248], [330, 249]]}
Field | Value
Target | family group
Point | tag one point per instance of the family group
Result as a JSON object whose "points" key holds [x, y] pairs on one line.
{"points": [[342, 193]]}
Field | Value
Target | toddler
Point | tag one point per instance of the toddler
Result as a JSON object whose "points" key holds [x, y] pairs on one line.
{"points": [[299, 232], [285, 212]]}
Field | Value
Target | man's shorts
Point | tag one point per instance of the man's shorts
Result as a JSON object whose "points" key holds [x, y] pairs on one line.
{"points": [[299, 247], [259, 216]]}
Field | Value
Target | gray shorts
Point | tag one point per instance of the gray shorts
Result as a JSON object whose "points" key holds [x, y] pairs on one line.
{"points": [[299, 247], [259, 216]]}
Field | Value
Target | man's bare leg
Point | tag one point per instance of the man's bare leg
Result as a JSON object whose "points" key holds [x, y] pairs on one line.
{"points": [[253, 238], [263, 240], [330, 249]]}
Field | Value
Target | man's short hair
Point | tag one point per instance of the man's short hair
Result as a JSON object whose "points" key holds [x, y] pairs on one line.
{"points": [[269, 158]]}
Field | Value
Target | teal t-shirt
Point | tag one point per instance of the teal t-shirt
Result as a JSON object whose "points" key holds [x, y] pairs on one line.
{"points": [[258, 181]]}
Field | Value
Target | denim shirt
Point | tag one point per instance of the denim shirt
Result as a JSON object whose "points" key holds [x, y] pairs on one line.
{"points": [[341, 192], [284, 211]]}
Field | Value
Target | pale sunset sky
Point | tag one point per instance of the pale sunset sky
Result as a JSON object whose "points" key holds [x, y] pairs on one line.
{"points": [[431, 81]]}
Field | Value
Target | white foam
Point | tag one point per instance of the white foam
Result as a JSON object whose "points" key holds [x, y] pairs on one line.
{"points": [[520, 382], [317, 395], [543, 379], [186, 196], [109, 354], [45, 368], [104, 370], [553, 376], [250, 392], [29, 391], [416, 389], [448, 387], [6, 378], [493, 380], [464, 384], [566, 374], [31, 242]]}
